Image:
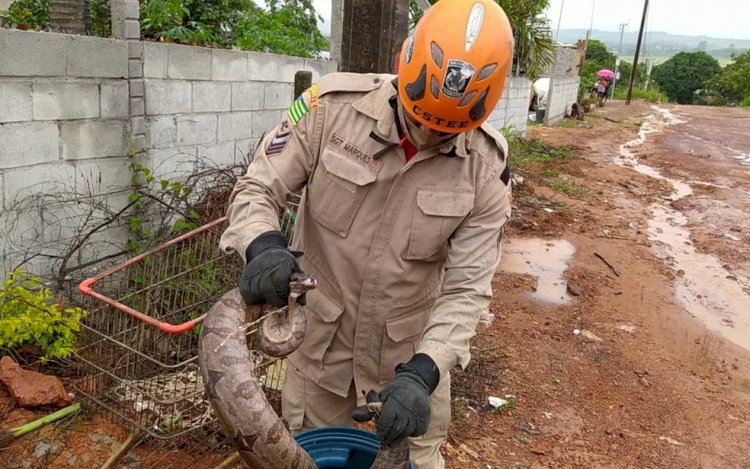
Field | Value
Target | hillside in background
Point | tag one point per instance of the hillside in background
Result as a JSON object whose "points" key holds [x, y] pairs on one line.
{"points": [[660, 44]]}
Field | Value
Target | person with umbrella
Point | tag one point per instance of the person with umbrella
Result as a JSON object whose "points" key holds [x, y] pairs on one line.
{"points": [[603, 85]]}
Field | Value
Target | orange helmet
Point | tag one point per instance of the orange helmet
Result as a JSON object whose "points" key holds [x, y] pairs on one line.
{"points": [[452, 68]]}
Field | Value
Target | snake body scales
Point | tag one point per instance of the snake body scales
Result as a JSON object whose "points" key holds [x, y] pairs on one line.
{"points": [[235, 394]]}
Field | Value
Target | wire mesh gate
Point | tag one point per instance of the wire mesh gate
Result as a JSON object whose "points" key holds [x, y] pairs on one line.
{"points": [[138, 346]]}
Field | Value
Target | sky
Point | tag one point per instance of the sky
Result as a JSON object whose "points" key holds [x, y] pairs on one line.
{"points": [[716, 18]]}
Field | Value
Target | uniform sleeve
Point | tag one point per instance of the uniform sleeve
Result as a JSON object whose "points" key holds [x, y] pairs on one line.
{"points": [[281, 166], [473, 256]]}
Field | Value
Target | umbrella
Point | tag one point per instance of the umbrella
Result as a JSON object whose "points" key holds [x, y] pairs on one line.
{"points": [[605, 73]]}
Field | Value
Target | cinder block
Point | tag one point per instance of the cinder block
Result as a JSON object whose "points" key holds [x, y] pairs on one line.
{"points": [[132, 9], [244, 149], [28, 143], [21, 231], [247, 96], [264, 121], [211, 96], [278, 96], [97, 57], [104, 176], [273, 67], [161, 132], [137, 89], [15, 102], [65, 100], [137, 107], [135, 50], [138, 125], [24, 53], [235, 125], [228, 65], [83, 140], [196, 129], [138, 143], [135, 69], [173, 162], [320, 68], [132, 29], [37, 179], [168, 97], [114, 100], [155, 60], [189, 63], [221, 154]]}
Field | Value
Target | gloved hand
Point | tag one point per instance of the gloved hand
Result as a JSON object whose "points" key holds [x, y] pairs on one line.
{"points": [[270, 265], [406, 400]]}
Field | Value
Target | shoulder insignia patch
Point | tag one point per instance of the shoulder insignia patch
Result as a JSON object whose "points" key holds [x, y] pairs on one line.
{"points": [[281, 138], [304, 104]]}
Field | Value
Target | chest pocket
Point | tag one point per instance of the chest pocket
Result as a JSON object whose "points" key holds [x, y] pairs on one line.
{"points": [[438, 213], [337, 190]]}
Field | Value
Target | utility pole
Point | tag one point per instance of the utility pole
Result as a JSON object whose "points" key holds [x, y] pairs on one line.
{"points": [[562, 7], [637, 53], [617, 60]]}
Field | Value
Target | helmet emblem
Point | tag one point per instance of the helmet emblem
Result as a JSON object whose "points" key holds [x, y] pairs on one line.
{"points": [[457, 77], [476, 19]]}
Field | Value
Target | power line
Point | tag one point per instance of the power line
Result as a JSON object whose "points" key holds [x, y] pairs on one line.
{"points": [[637, 53]]}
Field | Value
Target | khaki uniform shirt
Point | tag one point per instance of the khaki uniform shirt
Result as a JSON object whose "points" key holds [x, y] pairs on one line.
{"points": [[404, 252]]}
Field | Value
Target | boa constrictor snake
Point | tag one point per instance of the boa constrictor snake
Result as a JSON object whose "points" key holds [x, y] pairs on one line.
{"points": [[236, 395]]}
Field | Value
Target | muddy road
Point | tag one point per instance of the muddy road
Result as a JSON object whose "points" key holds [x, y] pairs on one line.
{"points": [[619, 336], [644, 362]]}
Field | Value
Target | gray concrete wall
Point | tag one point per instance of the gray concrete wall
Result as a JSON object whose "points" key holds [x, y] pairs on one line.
{"points": [[566, 62], [213, 105], [513, 108], [63, 127], [73, 109], [563, 93]]}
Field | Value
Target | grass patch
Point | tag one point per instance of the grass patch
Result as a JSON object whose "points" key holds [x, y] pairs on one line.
{"points": [[524, 152], [651, 96], [566, 187], [550, 172], [568, 123]]}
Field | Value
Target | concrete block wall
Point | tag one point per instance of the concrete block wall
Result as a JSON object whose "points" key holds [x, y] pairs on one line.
{"points": [[73, 108], [513, 108], [213, 105], [63, 128], [563, 93]]}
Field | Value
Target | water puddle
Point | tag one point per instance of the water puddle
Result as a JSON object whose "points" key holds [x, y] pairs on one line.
{"points": [[705, 288], [545, 260]]}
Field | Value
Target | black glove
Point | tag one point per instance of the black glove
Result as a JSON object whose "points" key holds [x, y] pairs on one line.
{"points": [[406, 400], [270, 265]]}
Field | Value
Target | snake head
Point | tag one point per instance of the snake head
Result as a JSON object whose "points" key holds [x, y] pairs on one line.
{"points": [[299, 284]]}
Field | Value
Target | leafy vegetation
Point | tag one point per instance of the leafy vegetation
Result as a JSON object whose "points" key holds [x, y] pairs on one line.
{"points": [[29, 13], [285, 27], [525, 152], [30, 315], [684, 74], [733, 84], [534, 47]]}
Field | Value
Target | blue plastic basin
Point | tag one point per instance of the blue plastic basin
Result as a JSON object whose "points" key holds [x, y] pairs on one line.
{"points": [[340, 447]]}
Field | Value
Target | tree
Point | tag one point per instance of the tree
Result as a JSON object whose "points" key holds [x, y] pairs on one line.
{"points": [[597, 58], [534, 47], [733, 83], [284, 27], [597, 52], [684, 74]]}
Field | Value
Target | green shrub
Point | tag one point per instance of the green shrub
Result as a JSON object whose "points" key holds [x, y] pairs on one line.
{"points": [[34, 13], [29, 315], [746, 101], [652, 96]]}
